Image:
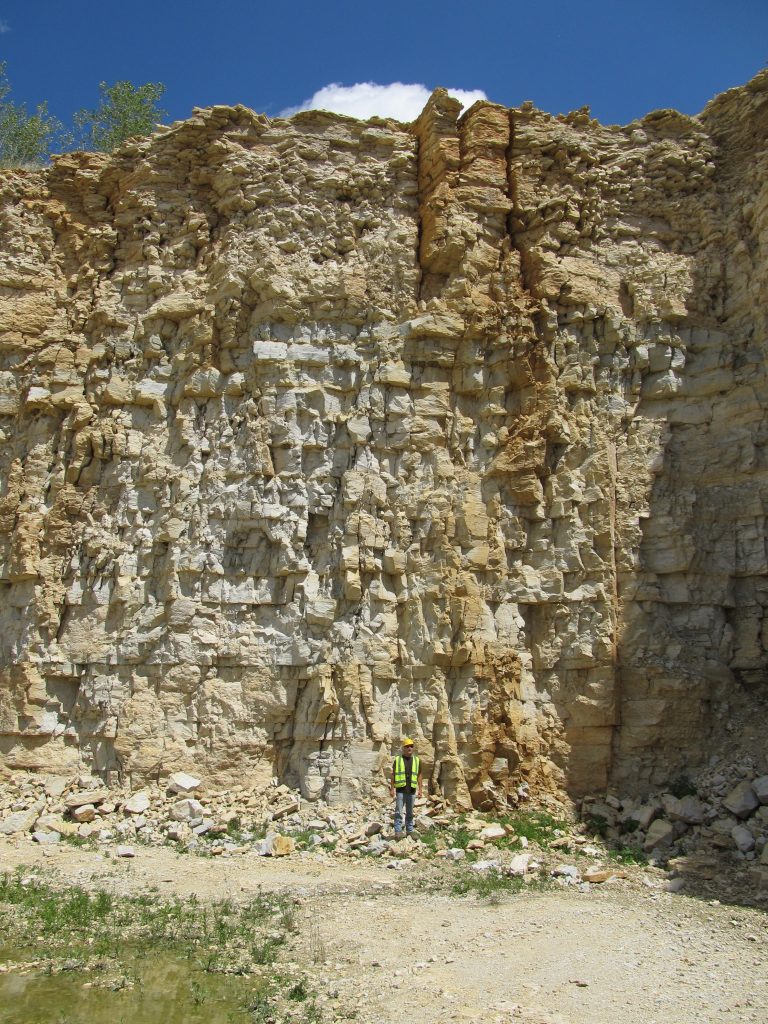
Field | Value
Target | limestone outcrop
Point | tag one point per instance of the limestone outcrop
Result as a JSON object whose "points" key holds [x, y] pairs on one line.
{"points": [[316, 432]]}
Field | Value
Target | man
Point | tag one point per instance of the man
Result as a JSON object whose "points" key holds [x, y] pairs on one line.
{"points": [[405, 785]]}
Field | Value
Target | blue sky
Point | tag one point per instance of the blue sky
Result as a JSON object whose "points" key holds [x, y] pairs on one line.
{"points": [[623, 59]]}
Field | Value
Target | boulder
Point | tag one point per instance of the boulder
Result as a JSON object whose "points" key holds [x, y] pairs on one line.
{"points": [[282, 846], [182, 783], [377, 847], [455, 854], [187, 810], [21, 821], [49, 823], [289, 808], [568, 871], [138, 803], [275, 845], [89, 796], [743, 838], [689, 809], [84, 813], [742, 800], [493, 832], [55, 786], [481, 866], [596, 876], [46, 838], [760, 788], [643, 815], [518, 866], [660, 834]]}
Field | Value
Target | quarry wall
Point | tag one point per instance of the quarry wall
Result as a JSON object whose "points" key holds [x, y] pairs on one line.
{"points": [[318, 432]]}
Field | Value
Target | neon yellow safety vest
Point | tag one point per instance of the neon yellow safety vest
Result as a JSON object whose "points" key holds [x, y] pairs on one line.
{"points": [[400, 781]]}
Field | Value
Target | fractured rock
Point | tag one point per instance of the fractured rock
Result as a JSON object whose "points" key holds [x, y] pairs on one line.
{"points": [[181, 782], [138, 803], [91, 796], [20, 821], [491, 832], [742, 800], [187, 810], [743, 838], [519, 864], [660, 834], [760, 788], [83, 813]]}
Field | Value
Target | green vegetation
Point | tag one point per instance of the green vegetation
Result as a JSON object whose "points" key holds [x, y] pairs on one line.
{"points": [[461, 837], [128, 943], [303, 838], [597, 824], [25, 139], [124, 111], [628, 855], [536, 826], [682, 786], [75, 925], [76, 840], [492, 885]]}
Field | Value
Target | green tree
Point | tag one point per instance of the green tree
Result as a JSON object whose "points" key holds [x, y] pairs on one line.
{"points": [[124, 110], [25, 139]]}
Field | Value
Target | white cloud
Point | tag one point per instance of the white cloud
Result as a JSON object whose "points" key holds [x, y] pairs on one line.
{"points": [[368, 99], [4, 27]]}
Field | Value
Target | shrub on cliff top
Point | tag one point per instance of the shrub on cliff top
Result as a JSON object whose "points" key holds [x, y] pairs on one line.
{"points": [[25, 139], [124, 111]]}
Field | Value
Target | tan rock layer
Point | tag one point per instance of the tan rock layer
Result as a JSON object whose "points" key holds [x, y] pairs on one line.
{"points": [[319, 432]]}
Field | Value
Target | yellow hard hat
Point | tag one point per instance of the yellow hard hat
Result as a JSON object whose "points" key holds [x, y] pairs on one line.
{"points": [[407, 741]]}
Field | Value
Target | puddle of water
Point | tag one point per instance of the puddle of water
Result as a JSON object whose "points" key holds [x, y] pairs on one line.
{"points": [[166, 990]]}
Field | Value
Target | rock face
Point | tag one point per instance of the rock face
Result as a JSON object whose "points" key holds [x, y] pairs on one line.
{"points": [[319, 432]]}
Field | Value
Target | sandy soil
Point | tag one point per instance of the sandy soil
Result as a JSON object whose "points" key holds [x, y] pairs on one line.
{"points": [[382, 944]]}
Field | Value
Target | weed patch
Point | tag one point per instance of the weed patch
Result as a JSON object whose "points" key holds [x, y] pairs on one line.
{"points": [[120, 940], [536, 826], [488, 885]]}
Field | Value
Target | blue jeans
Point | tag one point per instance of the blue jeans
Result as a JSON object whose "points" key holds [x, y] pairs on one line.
{"points": [[404, 799]]}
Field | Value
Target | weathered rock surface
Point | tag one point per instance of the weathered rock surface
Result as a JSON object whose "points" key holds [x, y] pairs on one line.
{"points": [[318, 432]]}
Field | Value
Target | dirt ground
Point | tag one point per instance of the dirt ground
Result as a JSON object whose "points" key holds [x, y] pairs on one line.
{"points": [[381, 944]]}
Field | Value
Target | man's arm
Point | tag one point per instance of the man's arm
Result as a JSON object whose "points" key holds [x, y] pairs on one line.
{"points": [[419, 782], [392, 781]]}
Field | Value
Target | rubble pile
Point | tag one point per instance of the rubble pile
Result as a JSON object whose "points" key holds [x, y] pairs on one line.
{"points": [[728, 820], [727, 810]]}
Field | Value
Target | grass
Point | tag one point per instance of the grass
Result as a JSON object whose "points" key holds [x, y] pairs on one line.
{"points": [[108, 938], [628, 855], [302, 838], [431, 839], [538, 827], [76, 840], [488, 885], [74, 924]]}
